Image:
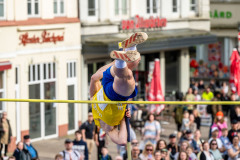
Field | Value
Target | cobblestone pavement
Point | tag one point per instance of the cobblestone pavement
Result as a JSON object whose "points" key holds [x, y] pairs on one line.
{"points": [[47, 149]]}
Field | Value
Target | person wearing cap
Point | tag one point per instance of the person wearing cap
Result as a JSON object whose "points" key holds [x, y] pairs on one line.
{"points": [[69, 153], [87, 129], [28, 146], [189, 138], [234, 130], [172, 146], [219, 122], [215, 133]]}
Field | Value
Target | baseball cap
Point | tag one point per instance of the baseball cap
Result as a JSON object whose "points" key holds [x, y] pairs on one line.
{"points": [[188, 131], [220, 113], [90, 114], [172, 136], [26, 137], [234, 121], [164, 150], [68, 141], [214, 129]]}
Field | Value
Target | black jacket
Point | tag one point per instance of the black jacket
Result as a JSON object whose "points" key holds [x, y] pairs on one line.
{"points": [[22, 155]]}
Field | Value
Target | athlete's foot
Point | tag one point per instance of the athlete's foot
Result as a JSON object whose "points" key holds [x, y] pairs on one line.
{"points": [[129, 56], [134, 39]]}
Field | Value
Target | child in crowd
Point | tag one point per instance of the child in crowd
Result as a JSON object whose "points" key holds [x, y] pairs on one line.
{"points": [[220, 123], [185, 121], [191, 155]]}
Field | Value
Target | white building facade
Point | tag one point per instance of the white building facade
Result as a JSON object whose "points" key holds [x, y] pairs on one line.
{"points": [[40, 58], [178, 30]]}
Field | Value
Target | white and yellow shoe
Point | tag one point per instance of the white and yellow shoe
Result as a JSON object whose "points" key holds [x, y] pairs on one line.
{"points": [[128, 56], [135, 39]]}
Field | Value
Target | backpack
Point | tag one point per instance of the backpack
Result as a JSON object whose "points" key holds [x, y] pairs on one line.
{"points": [[179, 114], [73, 152]]}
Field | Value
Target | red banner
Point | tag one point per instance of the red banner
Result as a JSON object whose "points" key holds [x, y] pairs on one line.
{"points": [[235, 72]]}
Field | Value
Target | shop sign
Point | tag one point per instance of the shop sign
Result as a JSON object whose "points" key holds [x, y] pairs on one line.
{"points": [[46, 37], [220, 14], [141, 23]]}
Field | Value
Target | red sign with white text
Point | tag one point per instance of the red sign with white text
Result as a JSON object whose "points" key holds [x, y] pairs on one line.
{"points": [[46, 37], [140, 23]]}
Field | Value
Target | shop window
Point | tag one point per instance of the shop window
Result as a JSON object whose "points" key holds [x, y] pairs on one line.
{"points": [[33, 7], [92, 7], [152, 6], [193, 5], [120, 7], [175, 5], [42, 85], [1, 91], [71, 70], [2, 9], [58, 7]]}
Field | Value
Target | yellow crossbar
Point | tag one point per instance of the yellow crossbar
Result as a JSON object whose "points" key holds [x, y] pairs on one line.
{"points": [[123, 102]]}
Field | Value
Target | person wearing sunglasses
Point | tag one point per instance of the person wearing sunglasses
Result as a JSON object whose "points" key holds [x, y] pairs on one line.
{"points": [[147, 152], [214, 150], [206, 154]]}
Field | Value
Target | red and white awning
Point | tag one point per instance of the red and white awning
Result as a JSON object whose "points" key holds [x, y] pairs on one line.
{"points": [[5, 65]]}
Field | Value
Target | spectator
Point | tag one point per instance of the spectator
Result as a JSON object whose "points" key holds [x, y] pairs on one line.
{"points": [[234, 151], [135, 153], [225, 141], [185, 122], [216, 108], [6, 134], [105, 155], [157, 155], [100, 140], [234, 131], [201, 85], [189, 138], [147, 152], [28, 146], [20, 153], [192, 124], [69, 153], [191, 155], [183, 156], [207, 95], [183, 147], [214, 150], [195, 87], [235, 113], [190, 97], [161, 144], [58, 157], [197, 138], [118, 158], [151, 131], [178, 116], [87, 129], [219, 122], [215, 133], [197, 96], [134, 142], [11, 158], [225, 108], [224, 88], [206, 154], [212, 85], [197, 118], [164, 154], [80, 146], [172, 146]]}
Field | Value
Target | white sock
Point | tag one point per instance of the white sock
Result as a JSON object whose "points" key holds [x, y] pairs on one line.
{"points": [[133, 48], [120, 63]]}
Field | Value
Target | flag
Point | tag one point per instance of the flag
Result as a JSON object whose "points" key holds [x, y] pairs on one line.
{"points": [[155, 92], [235, 72]]}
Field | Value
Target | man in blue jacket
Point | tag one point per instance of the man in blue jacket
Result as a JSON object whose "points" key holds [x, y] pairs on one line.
{"points": [[80, 145]]}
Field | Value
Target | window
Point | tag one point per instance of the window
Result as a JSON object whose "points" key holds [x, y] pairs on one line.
{"points": [[175, 6], [2, 9], [33, 7], [58, 7], [152, 6], [92, 7], [193, 5], [120, 7], [71, 69]]}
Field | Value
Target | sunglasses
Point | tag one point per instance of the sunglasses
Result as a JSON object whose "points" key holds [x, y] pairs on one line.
{"points": [[149, 150], [214, 143]]}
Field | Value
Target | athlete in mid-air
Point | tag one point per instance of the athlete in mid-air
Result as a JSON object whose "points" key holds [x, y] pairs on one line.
{"points": [[117, 84]]}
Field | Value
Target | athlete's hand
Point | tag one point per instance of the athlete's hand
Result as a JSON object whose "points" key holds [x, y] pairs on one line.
{"points": [[128, 113]]}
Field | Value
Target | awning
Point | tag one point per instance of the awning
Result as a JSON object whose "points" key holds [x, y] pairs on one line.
{"points": [[5, 65], [157, 40]]}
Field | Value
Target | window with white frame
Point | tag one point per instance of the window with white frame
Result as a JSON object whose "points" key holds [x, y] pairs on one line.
{"points": [[58, 7], [175, 5], [152, 6], [71, 69], [120, 7], [92, 5], [2, 8], [2, 91], [33, 7], [193, 5]]}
